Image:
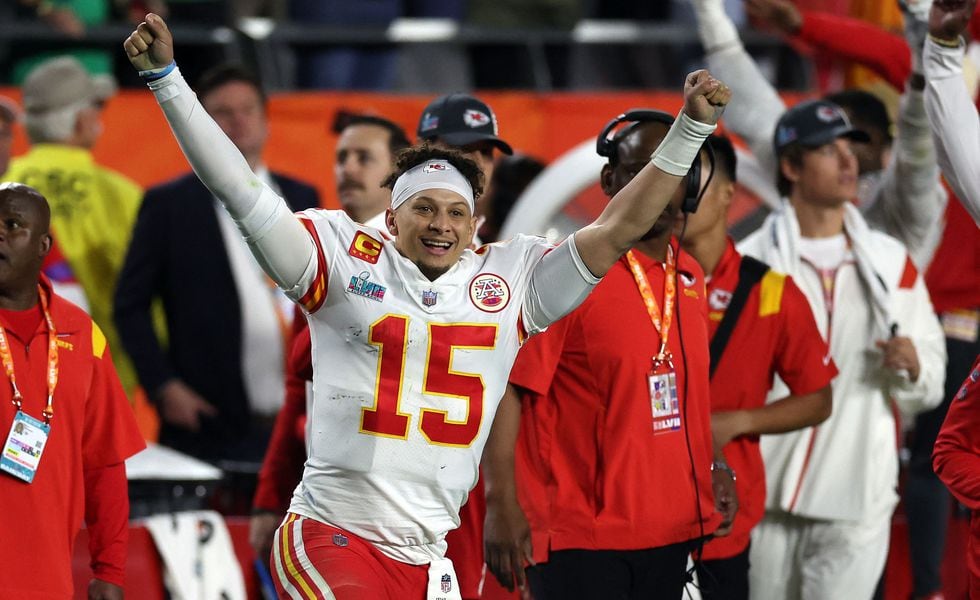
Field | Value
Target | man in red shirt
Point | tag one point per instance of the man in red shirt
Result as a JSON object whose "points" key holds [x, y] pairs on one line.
{"points": [[65, 420], [614, 458], [756, 312], [957, 462]]}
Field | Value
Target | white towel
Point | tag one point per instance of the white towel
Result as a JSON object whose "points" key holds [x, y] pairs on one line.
{"points": [[199, 561]]}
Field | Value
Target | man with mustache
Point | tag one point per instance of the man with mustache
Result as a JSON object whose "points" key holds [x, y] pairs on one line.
{"points": [[364, 156]]}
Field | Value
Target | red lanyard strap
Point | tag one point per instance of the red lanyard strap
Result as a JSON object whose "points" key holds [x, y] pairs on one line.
{"points": [[52, 370], [650, 301]]}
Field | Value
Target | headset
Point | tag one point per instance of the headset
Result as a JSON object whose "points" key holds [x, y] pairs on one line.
{"points": [[606, 145]]}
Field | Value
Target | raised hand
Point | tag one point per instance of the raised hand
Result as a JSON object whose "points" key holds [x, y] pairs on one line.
{"points": [[151, 46], [781, 14], [949, 18], [705, 97]]}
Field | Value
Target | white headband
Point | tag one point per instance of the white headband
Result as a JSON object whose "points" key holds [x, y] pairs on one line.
{"points": [[431, 175]]}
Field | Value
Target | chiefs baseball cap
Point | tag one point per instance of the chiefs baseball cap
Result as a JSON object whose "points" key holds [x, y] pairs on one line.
{"points": [[815, 123], [460, 120], [61, 82]]}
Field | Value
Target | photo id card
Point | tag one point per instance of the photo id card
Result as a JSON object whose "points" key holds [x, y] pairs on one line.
{"points": [[24, 445], [664, 404]]}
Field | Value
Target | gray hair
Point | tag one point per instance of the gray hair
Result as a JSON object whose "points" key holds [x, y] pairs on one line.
{"points": [[54, 126]]}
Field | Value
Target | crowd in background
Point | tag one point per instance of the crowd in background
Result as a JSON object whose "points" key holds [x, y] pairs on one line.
{"points": [[148, 264]]}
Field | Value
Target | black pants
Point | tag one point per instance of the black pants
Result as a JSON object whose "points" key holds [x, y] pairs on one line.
{"points": [[725, 578], [612, 574]]}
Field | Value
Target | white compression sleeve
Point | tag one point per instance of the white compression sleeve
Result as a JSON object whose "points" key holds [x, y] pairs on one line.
{"points": [[954, 123], [755, 107], [560, 281], [715, 27], [279, 242]]}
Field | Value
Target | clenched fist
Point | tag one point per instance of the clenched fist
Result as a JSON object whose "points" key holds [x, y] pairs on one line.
{"points": [[949, 18], [151, 46], [705, 97]]}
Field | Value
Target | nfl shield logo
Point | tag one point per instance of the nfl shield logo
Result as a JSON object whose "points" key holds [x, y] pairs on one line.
{"points": [[429, 298], [446, 583]]}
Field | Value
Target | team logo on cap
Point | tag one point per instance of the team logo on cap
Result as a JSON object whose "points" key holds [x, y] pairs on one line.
{"points": [[489, 292], [435, 165], [475, 118], [785, 135], [827, 114], [429, 122]]}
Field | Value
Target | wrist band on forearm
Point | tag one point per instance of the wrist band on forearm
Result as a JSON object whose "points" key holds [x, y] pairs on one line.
{"points": [[681, 146], [947, 43], [154, 74]]}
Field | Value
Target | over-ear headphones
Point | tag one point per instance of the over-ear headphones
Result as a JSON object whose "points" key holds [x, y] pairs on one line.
{"points": [[606, 144]]}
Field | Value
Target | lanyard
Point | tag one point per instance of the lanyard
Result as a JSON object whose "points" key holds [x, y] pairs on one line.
{"points": [[8, 361], [653, 309]]}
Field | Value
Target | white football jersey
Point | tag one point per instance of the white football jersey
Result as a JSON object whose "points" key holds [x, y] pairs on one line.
{"points": [[408, 374]]}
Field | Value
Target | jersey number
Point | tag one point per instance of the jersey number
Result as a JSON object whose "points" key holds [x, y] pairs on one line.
{"points": [[390, 335]]}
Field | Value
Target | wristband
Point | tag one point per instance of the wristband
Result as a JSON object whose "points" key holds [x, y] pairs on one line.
{"points": [[154, 74], [720, 465], [946, 43], [681, 146]]}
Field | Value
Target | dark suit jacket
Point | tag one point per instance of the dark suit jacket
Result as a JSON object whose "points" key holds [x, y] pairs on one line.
{"points": [[177, 254]]}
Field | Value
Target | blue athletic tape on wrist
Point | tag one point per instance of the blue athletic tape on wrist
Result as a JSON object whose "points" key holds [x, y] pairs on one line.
{"points": [[154, 74]]}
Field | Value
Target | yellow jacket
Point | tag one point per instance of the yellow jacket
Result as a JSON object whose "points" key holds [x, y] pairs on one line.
{"points": [[92, 214]]}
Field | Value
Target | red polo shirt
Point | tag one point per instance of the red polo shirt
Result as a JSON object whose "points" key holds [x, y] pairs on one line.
{"points": [[777, 332], [591, 472], [93, 427]]}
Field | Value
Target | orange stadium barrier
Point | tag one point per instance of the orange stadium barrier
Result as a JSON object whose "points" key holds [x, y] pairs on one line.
{"points": [[138, 142]]}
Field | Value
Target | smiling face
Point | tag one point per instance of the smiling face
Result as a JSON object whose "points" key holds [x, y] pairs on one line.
{"points": [[432, 229], [24, 238]]}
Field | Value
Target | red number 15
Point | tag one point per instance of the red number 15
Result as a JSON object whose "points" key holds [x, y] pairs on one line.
{"points": [[390, 335]]}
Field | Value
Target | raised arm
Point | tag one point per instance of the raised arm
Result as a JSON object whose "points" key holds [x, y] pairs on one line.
{"points": [[633, 211], [756, 107], [910, 202], [278, 240], [843, 37], [952, 114]]}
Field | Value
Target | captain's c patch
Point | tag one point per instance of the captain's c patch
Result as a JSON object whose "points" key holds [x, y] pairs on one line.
{"points": [[365, 248]]}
